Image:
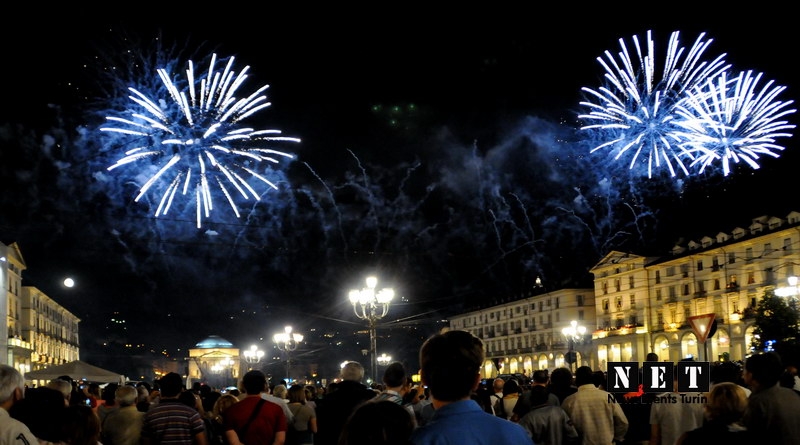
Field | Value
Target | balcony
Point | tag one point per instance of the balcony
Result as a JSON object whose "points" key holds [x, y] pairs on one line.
{"points": [[16, 342], [527, 350]]}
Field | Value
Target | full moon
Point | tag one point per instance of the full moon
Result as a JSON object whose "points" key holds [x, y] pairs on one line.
{"points": [[69, 282]]}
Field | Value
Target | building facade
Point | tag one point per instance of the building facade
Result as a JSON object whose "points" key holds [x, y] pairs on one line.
{"points": [[650, 304], [40, 332], [527, 334], [216, 362], [51, 329]]}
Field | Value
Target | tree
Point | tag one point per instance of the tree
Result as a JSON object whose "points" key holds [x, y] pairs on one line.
{"points": [[777, 326]]}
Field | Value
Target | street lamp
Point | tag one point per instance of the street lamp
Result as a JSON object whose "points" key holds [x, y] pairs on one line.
{"points": [[573, 333], [371, 306], [253, 355], [224, 368], [384, 360], [791, 290], [287, 341]]}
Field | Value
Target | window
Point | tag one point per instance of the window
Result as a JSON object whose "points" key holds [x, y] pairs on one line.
{"points": [[605, 287], [751, 278], [731, 258], [769, 276], [767, 248], [557, 302], [660, 318], [558, 316], [579, 298], [686, 289], [631, 282], [748, 255], [701, 288], [658, 294], [699, 265], [672, 293], [715, 264], [580, 314], [618, 302], [670, 271], [605, 305], [658, 277], [617, 285], [787, 245], [716, 283]]}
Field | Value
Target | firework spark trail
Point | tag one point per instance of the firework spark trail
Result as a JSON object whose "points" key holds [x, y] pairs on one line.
{"points": [[528, 224], [365, 188], [732, 120], [634, 111], [199, 133], [332, 197]]}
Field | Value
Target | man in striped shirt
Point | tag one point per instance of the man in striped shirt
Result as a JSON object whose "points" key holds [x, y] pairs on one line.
{"points": [[171, 422]]}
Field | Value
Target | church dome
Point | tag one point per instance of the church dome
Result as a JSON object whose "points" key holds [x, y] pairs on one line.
{"points": [[214, 342]]}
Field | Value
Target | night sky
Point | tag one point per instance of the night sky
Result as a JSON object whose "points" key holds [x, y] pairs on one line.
{"points": [[438, 152]]}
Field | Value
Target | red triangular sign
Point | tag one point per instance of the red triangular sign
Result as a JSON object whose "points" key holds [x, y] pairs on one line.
{"points": [[701, 325]]}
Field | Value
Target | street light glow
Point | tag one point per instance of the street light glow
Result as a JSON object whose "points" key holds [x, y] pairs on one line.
{"points": [[371, 306], [384, 359], [791, 290], [253, 355], [287, 341], [573, 333]]}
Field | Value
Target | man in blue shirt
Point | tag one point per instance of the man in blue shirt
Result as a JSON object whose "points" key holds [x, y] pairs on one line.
{"points": [[451, 364]]}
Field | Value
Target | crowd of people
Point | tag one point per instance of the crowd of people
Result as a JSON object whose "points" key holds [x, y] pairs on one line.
{"points": [[453, 405]]}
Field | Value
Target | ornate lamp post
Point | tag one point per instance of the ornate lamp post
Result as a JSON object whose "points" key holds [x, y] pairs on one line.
{"points": [[573, 333], [287, 341], [253, 355], [371, 306]]}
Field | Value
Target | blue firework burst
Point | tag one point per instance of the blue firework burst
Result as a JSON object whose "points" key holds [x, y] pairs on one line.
{"points": [[633, 114], [189, 139], [731, 120]]}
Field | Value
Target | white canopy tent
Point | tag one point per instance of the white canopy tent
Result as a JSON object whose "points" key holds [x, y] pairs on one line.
{"points": [[77, 370]]}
